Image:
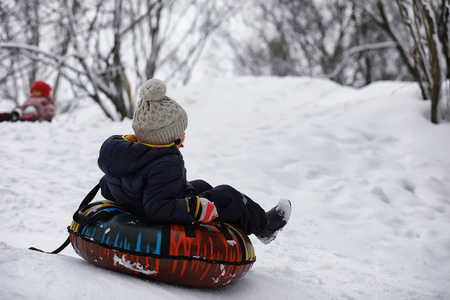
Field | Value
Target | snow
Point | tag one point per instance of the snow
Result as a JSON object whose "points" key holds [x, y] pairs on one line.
{"points": [[367, 173]]}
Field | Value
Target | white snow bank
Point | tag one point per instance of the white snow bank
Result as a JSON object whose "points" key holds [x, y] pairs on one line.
{"points": [[367, 173]]}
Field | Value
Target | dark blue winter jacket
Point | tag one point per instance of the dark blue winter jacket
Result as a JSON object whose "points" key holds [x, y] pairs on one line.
{"points": [[146, 181]]}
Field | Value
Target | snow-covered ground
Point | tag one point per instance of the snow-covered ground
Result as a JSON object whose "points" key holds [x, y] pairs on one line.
{"points": [[367, 173]]}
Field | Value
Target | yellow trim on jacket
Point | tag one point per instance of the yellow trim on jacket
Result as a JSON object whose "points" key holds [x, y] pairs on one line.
{"points": [[133, 138]]}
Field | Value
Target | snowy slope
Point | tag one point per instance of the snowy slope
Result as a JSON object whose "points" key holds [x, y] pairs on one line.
{"points": [[367, 173]]}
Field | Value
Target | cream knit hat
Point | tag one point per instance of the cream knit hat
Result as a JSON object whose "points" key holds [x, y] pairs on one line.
{"points": [[158, 119]]}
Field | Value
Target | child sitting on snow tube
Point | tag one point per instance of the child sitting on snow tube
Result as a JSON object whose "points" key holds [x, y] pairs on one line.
{"points": [[145, 174], [39, 107]]}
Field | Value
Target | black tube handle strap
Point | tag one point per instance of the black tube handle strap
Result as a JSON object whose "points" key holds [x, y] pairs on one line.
{"points": [[224, 229]]}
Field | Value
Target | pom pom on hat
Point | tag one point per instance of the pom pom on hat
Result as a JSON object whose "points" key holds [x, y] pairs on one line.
{"points": [[41, 86], [158, 119], [152, 90]]}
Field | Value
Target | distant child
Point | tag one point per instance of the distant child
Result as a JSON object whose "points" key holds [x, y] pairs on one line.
{"points": [[39, 107], [145, 174]]}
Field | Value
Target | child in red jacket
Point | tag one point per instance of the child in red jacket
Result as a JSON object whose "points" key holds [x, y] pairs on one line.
{"points": [[145, 174]]}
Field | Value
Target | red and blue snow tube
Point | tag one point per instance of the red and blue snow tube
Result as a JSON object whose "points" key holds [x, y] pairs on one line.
{"points": [[200, 255]]}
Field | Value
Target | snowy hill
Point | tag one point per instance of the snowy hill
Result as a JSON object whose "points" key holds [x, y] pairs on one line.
{"points": [[367, 173]]}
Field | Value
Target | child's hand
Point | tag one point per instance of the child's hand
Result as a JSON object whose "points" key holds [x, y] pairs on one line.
{"points": [[209, 211]]}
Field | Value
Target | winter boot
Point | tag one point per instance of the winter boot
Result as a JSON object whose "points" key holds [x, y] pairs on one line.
{"points": [[276, 218]]}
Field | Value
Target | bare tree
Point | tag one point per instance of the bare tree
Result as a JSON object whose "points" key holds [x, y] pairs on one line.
{"points": [[101, 48], [422, 47], [353, 42], [332, 38]]}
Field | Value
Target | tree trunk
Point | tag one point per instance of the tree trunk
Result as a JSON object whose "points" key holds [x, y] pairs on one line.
{"points": [[435, 63]]}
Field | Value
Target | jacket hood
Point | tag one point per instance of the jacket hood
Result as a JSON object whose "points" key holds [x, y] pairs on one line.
{"points": [[122, 155]]}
